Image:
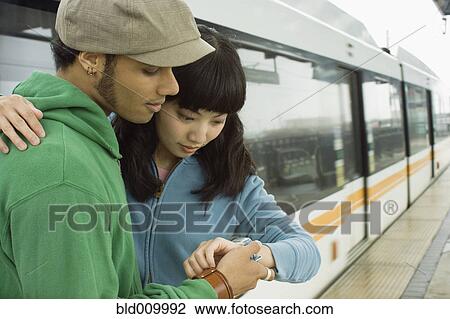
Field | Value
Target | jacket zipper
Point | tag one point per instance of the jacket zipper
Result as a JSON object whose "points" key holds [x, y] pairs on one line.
{"points": [[158, 195], [148, 275]]}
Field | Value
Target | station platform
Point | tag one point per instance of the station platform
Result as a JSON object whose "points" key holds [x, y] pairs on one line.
{"points": [[411, 259]]}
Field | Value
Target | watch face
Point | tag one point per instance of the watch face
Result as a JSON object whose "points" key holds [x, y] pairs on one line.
{"points": [[244, 241], [256, 257]]}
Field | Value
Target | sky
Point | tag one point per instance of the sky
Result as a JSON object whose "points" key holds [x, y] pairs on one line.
{"points": [[400, 18]]}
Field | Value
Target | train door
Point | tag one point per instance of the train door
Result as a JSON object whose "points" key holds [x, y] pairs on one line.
{"points": [[431, 131], [419, 140], [441, 129], [386, 173], [358, 197]]}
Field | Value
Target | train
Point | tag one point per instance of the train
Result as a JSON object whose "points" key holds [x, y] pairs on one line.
{"points": [[330, 118]]}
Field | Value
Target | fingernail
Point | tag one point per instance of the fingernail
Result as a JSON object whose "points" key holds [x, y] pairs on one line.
{"points": [[5, 150], [36, 141], [41, 134], [22, 146]]}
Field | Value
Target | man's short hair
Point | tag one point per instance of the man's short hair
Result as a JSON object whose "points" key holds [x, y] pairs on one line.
{"points": [[62, 54], [65, 56]]}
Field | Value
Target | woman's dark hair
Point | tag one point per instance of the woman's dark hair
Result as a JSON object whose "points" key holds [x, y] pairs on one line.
{"points": [[215, 83]]}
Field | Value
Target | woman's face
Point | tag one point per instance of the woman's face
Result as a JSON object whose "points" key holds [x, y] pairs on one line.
{"points": [[183, 132]]}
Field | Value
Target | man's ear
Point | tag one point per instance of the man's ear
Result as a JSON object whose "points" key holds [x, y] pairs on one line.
{"points": [[92, 63]]}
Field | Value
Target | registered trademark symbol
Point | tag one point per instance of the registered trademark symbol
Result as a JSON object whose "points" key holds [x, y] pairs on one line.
{"points": [[390, 207]]}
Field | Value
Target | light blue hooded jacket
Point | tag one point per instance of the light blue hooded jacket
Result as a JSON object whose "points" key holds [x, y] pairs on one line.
{"points": [[168, 229]]}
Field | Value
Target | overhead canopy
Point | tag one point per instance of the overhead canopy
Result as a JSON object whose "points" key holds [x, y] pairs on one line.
{"points": [[443, 5]]}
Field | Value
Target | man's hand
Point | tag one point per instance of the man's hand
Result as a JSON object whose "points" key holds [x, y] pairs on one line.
{"points": [[207, 255], [18, 115], [241, 272]]}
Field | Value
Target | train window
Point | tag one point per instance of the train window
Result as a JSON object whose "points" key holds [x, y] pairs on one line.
{"points": [[416, 101], [441, 118], [384, 126], [24, 44], [298, 125]]}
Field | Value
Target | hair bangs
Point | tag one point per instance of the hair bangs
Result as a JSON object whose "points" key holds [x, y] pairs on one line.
{"points": [[215, 83]]}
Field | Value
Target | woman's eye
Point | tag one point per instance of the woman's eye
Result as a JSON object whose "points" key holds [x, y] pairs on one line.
{"points": [[185, 117], [219, 120]]}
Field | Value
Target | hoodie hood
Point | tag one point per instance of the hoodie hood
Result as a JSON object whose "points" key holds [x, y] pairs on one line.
{"points": [[61, 101]]}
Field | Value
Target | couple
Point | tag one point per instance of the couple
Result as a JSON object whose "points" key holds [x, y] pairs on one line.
{"points": [[191, 151]]}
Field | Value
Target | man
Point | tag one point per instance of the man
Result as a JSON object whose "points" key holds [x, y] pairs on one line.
{"points": [[64, 230]]}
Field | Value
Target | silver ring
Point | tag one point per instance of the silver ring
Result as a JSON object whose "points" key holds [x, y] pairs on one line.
{"points": [[269, 274]]}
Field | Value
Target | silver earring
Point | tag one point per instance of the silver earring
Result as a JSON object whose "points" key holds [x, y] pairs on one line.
{"points": [[90, 71]]}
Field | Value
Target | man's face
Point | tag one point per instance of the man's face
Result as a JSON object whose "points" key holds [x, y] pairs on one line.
{"points": [[134, 90]]}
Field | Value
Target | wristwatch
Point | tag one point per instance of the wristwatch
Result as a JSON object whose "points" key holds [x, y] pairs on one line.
{"points": [[244, 241]]}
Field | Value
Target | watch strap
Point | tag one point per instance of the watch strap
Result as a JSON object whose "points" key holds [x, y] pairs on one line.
{"points": [[218, 281]]}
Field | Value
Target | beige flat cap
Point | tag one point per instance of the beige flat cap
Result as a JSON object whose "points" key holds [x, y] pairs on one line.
{"points": [[156, 32]]}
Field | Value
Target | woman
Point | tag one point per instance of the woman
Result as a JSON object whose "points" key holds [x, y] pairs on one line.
{"points": [[191, 169]]}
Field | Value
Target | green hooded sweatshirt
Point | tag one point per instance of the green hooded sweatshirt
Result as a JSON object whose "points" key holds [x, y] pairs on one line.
{"points": [[68, 251]]}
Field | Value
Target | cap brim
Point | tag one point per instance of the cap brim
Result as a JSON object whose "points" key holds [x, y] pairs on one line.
{"points": [[176, 55]]}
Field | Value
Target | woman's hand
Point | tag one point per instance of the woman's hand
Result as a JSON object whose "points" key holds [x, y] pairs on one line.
{"points": [[207, 255], [18, 115]]}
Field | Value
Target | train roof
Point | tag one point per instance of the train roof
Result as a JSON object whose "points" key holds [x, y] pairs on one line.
{"points": [[415, 71], [407, 57], [301, 24], [281, 22], [326, 11]]}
